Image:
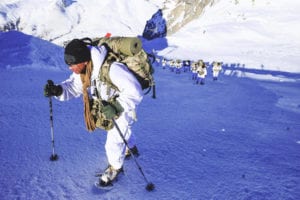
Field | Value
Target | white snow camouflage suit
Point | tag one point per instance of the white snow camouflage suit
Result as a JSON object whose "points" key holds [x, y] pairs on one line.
{"points": [[129, 96]]}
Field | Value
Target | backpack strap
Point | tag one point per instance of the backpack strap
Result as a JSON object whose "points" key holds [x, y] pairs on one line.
{"points": [[104, 70]]}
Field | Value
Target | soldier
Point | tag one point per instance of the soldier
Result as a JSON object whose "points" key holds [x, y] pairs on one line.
{"points": [[172, 65], [164, 63], [217, 67], [178, 66], [85, 62], [157, 60], [202, 72], [194, 70], [186, 65]]}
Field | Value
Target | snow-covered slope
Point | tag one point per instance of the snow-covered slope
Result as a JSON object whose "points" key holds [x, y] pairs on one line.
{"points": [[29, 52], [235, 138]]}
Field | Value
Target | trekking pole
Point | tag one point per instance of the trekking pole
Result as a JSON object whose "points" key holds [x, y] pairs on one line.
{"points": [[154, 92], [53, 156], [150, 186]]}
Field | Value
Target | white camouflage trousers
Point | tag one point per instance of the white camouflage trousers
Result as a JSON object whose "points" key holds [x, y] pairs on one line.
{"points": [[114, 146]]}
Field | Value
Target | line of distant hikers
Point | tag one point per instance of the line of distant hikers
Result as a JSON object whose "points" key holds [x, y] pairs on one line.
{"points": [[198, 68]]}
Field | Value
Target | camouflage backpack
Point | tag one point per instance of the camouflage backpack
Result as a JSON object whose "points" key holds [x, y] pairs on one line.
{"points": [[129, 51]]}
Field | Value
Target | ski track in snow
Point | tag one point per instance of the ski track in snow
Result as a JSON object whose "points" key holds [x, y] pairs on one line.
{"points": [[225, 140]]}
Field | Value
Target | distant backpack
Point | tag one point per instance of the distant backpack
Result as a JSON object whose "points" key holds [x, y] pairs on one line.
{"points": [[129, 51]]}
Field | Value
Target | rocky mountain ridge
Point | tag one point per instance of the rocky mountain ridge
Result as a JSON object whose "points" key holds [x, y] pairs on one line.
{"points": [[169, 17]]}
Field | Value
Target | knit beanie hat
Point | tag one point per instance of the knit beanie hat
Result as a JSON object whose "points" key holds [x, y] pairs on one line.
{"points": [[76, 52]]}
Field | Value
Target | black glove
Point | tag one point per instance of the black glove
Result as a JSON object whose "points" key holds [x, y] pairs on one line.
{"points": [[111, 109], [52, 90]]}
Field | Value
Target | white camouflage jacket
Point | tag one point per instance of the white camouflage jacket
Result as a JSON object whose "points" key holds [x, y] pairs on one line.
{"points": [[130, 92]]}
